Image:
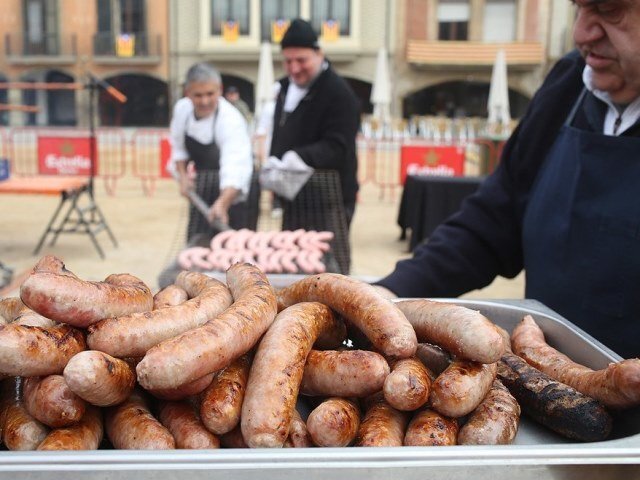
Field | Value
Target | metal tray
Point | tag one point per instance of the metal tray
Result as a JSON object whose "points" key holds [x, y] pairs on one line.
{"points": [[537, 453]]}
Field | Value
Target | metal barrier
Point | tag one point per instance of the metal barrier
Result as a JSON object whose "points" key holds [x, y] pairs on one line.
{"points": [[150, 150]]}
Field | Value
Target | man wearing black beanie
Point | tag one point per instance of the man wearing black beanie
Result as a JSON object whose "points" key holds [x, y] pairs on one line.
{"points": [[316, 121]]}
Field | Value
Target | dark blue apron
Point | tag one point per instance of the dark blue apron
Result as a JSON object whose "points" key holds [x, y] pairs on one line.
{"points": [[581, 235]]}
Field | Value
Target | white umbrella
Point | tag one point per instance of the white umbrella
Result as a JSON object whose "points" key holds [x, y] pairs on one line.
{"points": [[264, 87], [498, 103], [381, 91]]}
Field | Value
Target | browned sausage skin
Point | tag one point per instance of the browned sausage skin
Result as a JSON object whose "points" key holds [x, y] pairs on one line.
{"points": [[55, 292], [181, 420], [429, 428], [334, 423], [216, 344], [360, 303], [276, 372], [170, 296], [382, 426], [50, 401], [408, 385], [617, 386], [84, 435]]}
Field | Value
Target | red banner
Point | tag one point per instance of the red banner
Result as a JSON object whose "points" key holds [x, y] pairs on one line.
{"points": [[65, 156], [431, 160], [165, 156]]}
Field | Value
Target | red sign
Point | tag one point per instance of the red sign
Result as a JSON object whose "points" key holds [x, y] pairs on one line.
{"points": [[65, 156], [431, 160], [165, 156]]}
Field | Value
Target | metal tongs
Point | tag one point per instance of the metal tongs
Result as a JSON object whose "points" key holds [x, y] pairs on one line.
{"points": [[202, 207]]}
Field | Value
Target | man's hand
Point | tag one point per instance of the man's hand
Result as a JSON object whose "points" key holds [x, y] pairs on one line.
{"points": [[220, 208], [186, 177]]}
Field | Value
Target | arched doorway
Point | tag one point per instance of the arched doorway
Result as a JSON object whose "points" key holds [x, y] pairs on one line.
{"points": [[245, 87], [458, 99], [55, 107], [362, 90], [147, 102]]}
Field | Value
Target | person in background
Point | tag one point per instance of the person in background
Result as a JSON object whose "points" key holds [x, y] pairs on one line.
{"points": [[233, 97], [210, 135], [563, 203]]}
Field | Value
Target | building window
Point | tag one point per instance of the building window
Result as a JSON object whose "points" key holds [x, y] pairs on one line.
{"points": [[40, 27], [121, 28], [225, 13], [273, 10], [453, 20], [331, 10], [499, 22]]}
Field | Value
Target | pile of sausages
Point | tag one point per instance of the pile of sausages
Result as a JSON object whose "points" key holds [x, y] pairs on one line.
{"points": [[326, 361], [297, 251]]}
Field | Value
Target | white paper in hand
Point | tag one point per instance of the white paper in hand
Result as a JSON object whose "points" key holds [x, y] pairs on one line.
{"points": [[287, 176]]}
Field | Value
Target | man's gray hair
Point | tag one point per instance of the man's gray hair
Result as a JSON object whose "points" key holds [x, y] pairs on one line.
{"points": [[202, 72]]}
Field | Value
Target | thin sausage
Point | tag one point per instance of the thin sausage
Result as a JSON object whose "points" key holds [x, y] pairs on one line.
{"points": [[131, 426], [408, 385], [382, 425], [99, 378], [380, 320], [461, 387], [217, 343], [33, 351], [334, 423], [616, 386], [221, 402], [133, 335], [349, 373], [299, 436], [181, 420], [53, 291], [170, 296], [276, 373], [84, 435], [495, 421], [428, 428], [50, 401], [463, 332]]}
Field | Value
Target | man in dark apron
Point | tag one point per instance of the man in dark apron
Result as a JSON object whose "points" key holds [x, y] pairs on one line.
{"points": [[209, 139], [563, 203]]}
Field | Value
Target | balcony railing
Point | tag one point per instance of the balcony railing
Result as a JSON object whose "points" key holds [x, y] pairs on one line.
{"points": [[47, 45], [123, 45], [526, 54]]}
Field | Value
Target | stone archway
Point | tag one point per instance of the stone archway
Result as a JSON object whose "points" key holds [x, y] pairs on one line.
{"points": [[147, 102]]}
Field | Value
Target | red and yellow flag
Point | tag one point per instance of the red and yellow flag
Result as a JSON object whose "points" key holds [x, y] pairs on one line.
{"points": [[330, 30], [230, 31], [125, 45], [278, 29]]}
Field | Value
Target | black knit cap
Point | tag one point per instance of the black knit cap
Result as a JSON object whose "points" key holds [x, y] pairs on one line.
{"points": [[300, 34]]}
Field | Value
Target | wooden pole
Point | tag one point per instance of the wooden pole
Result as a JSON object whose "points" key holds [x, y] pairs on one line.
{"points": [[41, 85], [19, 108]]}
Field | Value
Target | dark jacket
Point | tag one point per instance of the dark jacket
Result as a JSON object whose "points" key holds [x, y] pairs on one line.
{"points": [[322, 129]]}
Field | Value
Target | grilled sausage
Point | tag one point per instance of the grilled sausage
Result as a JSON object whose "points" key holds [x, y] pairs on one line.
{"points": [[221, 402], [50, 401], [349, 373], [553, 404], [382, 426], [334, 423], [55, 292], [433, 357], [84, 435], [233, 439], [495, 421], [132, 335], [299, 436], [20, 431], [12, 310], [408, 385], [216, 344], [276, 373], [428, 428], [181, 420], [99, 378], [617, 386], [380, 320], [461, 387], [170, 296], [461, 331], [194, 387]]}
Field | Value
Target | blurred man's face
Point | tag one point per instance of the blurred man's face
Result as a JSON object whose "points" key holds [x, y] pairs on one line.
{"points": [[302, 64], [204, 96], [607, 32]]}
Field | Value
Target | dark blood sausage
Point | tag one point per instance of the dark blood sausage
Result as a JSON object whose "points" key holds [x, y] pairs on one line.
{"points": [[55, 292], [495, 421], [170, 296], [408, 385], [84, 435], [429, 428], [461, 387], [34, 351], [20, 431], [617, 386], [334, 423], [132, 335], [213, 346], [348, 373], [463, 332], [50, 401], [433, 357], [221, 402], [131, 426], [382, 425], [276, 373], [360, 303], [553, 404], [99, 378], [183, 391], [181, 420]]}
